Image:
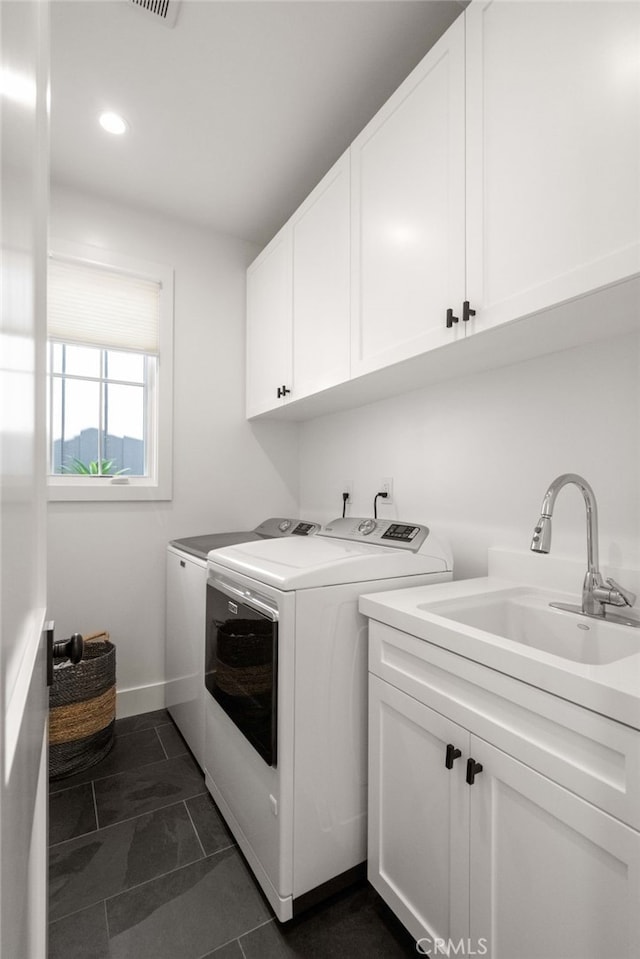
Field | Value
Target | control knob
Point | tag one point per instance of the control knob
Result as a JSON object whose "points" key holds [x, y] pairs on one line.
{"points": [[284, 525], [367, 526]]}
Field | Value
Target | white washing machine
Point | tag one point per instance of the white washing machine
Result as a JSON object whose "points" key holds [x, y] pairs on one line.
{"points": [[186, 581], [286, 676]]}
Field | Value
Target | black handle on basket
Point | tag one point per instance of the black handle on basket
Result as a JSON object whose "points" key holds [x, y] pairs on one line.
{"points": [[71, 648]]}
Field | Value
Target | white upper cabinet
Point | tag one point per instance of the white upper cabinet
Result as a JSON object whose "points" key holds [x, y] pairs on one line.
{"points": [[269, 313], [500, 181], [553, 152], [298, 301], [321, 285], [408, 215]]}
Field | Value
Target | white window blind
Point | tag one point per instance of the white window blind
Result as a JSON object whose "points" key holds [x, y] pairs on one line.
{"points": [[90, 304]]}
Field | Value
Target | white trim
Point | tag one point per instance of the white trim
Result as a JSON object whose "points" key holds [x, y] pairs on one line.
{"points": [[97, 256], [18, 687], [159, 484], [140, 699]]}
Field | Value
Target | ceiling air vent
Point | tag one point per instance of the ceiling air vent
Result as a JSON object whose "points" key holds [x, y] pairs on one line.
{"points": [[164, 11]]}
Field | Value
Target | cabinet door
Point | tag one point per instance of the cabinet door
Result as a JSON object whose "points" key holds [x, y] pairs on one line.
{"points": [[408, 214], [185, 628], [553, 153], [269, 317], [551, 875], [418, 814], [321, 284]]}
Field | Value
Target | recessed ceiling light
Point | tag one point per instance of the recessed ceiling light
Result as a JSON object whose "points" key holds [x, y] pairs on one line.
{"points": [[113, 123]]}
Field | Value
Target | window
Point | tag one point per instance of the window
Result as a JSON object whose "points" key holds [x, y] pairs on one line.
{"points": [[109, 362], [99, 412]]}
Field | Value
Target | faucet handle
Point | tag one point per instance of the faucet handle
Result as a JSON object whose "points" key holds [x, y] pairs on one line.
{"points": [[626, 595]]}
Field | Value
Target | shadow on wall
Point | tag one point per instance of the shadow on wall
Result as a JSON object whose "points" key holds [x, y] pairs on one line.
{"points": [[280, 443]]}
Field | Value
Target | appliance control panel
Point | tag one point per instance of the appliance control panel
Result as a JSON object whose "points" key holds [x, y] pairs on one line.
{"points": [[382, 532], [281, 526]]}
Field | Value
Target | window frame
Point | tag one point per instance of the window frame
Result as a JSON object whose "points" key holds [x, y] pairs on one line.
{"points": [[103, 380], [158, 484]]}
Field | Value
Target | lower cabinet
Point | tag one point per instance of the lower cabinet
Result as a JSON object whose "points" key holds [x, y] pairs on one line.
{"points": [[418, 844], [480, 855], [551, 875]]}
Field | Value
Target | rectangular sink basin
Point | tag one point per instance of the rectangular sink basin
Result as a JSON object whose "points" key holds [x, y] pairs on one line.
{"points": [[525, 617]]}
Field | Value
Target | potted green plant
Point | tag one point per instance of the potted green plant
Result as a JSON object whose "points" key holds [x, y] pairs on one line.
{"points": [[93, 468]]}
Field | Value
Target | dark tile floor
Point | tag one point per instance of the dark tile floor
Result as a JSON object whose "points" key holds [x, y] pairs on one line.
{"points": [[141, 866]]}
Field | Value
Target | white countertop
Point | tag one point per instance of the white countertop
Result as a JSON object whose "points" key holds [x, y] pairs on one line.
{"points": [[612, 689]]}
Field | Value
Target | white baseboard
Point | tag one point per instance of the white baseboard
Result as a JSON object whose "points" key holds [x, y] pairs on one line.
{"points": [[140, 699]]}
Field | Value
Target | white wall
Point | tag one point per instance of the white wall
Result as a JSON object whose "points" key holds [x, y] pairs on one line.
{"points": [[471, 456], [474, 456], [106, 560]]}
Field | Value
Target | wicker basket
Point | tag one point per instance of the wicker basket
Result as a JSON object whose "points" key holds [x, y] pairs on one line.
{"points": [[82, 709]]}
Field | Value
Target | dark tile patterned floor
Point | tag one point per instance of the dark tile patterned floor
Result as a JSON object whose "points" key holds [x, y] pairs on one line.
{"points": [[141, 866]]}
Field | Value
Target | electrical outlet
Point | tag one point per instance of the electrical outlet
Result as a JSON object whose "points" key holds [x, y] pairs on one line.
{"points": [[347, 487], [386, 486]]}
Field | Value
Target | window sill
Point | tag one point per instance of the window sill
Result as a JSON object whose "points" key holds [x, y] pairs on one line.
{"points": [[105, 489]]}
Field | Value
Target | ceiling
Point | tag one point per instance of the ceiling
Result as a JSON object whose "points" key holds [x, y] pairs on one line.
{"points": [[237, 111]]}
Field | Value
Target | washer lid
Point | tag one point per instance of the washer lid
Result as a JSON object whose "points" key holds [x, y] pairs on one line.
{"points": [[202, 545], [322, 561], [268, 529]]}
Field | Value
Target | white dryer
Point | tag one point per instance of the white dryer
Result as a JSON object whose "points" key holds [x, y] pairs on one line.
{"points": [[186, 581], [286, 675]]}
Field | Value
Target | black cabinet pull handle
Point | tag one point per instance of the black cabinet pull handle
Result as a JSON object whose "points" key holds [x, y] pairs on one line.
{"points": [[467, 312], [451, 319], [473, 768], [452, 755], [282, 391]]}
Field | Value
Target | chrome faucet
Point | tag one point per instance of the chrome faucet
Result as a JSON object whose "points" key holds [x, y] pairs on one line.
{"points": [[595, 595]]}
